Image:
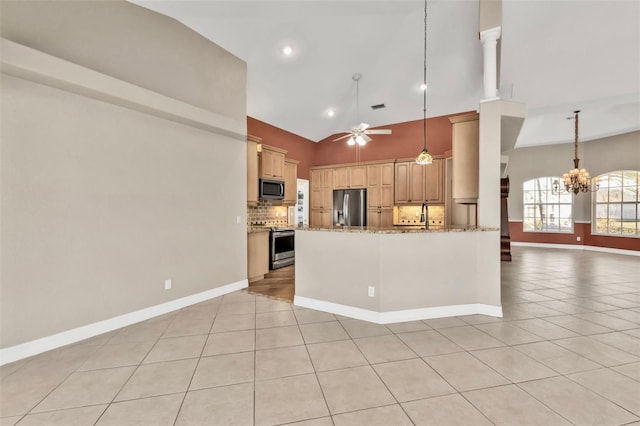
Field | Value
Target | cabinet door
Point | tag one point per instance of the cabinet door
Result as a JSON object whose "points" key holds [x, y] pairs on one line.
{"points": [[290, 183], [373, 218], [257, 255], [386, 218], [373, 186], [266, 164], [416, 192], [278, 165], [252, 173], [402, 175], [326, 218], [341, 178], [434, 182], [316, 199], [316, 180], [357, 176], [327, 179], [315, 218], [386, 185]]}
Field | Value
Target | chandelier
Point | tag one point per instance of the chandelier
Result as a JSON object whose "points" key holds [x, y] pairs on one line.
{"points": [[424, 158], [576, 180]]}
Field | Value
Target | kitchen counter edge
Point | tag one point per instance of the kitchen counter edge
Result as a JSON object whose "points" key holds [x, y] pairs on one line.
{"points": [[394, 229]]}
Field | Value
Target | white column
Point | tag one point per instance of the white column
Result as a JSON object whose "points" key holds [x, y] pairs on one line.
{"points": [[489, 40]]}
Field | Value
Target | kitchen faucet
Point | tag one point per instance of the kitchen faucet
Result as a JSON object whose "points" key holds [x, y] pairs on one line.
{"points": [[423, 217]]}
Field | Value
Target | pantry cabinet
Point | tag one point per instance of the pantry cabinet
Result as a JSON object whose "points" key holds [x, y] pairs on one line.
{"points": [[321, 200]]}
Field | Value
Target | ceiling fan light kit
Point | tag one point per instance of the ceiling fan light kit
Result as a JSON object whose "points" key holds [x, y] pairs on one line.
{"points": [[424, 158]]}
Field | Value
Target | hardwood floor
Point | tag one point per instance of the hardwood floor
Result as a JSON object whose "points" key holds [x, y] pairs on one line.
{"points": [[278, 284]]}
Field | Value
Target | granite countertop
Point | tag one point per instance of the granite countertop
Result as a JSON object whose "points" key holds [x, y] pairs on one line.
{"points": [[396, 229]]}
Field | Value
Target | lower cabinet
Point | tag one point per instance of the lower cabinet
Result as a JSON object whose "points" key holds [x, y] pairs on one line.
{"points": [[321, 217], [379, 218], [257, 255]]}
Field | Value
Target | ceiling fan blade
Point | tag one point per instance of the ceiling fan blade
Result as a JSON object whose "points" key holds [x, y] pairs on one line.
{"points": [[378, 132], [362, 126], [343, 137], [366, 138]]}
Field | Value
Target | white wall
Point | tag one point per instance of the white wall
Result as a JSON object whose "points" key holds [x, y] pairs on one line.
{"points": [[101, 203]]}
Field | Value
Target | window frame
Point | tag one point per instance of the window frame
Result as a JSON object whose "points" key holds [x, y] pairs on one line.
{"points": [[606, 177], [540, 214]]}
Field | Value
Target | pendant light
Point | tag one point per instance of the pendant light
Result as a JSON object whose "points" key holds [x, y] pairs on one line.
{"points": [[424, 158], [576, 180]]}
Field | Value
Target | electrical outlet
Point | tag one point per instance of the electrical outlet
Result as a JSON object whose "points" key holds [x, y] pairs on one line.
{"points": [[238, 220], [372, 291], [578, 238], [167, 284]]}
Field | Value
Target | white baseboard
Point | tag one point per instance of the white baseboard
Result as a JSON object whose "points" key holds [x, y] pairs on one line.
{"points": [[398, 316], [34, 347], [578, 247]]}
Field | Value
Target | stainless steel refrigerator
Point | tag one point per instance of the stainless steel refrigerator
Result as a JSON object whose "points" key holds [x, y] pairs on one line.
{"points": [[350, 207]]}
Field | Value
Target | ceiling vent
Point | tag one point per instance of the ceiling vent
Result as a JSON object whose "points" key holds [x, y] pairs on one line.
{"points": [[379, 106]]}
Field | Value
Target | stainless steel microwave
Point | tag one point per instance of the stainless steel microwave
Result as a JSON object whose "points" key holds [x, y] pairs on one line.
{"points": [[271, 189]]}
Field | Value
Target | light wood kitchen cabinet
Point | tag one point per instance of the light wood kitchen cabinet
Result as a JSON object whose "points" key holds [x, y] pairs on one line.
{"points": [[409, 183], [320, 217], [350, 177], [272, 162], [465, 149], [379, 218], [290, 182], [434, 182], [321, 200], [380, 185], [257, 255], [252, 170]]}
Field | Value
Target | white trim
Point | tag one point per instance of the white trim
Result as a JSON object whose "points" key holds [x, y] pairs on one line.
{"points": [[34, 347], [581, 221], [578, 247], [398, 316], [33, 65]]}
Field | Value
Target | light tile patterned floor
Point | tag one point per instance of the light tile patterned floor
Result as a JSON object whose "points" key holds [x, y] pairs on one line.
{"points": [[566, 352]]}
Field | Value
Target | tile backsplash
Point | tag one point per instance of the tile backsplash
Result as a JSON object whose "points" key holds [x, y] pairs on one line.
{"points": [[410, 215], [265, 213]]}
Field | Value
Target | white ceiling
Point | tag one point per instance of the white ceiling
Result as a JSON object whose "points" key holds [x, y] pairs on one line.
{"points": [[557, 56]]}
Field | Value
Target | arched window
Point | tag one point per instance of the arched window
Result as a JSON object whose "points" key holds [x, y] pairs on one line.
{"points": [[616, 209], [546, 210]]}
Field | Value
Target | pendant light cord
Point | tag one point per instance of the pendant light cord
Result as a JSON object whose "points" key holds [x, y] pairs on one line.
{"points": [[424, 81]]}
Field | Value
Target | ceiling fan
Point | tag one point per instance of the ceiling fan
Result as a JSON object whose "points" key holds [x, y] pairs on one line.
{"points": [[358, 134]]}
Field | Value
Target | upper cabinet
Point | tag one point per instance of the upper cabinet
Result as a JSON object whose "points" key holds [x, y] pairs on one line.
{"points": [[434, 182], [350, 177], [252, 170], [465, 151], [409, 183], [272, 162], [290, 182]]}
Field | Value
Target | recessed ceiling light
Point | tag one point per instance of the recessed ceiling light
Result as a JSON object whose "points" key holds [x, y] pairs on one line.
{"points": [[287, 50], [331, 113]]}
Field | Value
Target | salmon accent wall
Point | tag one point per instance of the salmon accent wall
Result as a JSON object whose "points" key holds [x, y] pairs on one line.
{"points": [[298, 148], [405, 141], [582, 230]]}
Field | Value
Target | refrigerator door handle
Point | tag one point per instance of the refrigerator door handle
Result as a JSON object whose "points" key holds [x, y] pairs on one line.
{"points": [[345, 209]]}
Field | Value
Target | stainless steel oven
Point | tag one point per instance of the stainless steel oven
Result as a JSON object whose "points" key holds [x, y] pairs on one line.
{"points": [[281, 247]]}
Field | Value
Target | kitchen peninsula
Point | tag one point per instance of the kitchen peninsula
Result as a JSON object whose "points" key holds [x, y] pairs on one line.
{"points": [[386, 275]]}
